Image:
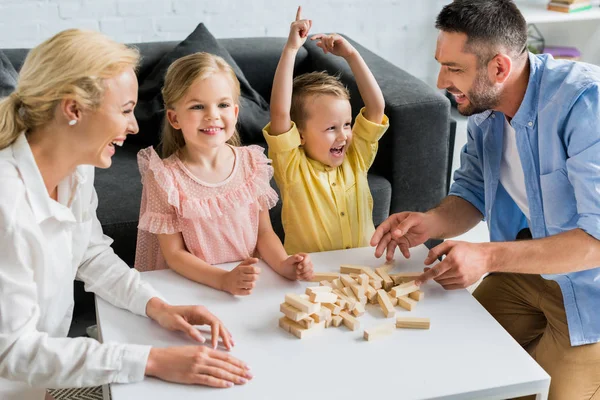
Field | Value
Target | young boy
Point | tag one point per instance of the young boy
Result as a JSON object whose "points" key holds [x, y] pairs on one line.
{"points": [[320, 160]]}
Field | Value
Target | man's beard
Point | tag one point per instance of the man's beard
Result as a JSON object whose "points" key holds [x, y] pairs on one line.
{"points": [[483, 96]]}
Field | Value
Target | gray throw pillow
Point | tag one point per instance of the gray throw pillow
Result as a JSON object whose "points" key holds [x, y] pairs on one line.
{"points": [[8, 76], [254, 110]]}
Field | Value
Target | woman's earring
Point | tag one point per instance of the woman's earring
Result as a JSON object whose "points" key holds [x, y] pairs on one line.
{"points": [[72, 122]]}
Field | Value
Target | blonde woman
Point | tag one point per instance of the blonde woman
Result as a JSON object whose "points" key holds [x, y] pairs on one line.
{"points": [[73, 104]]}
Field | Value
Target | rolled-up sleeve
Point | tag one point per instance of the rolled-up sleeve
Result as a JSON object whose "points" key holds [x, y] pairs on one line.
{"points": [[468, 179], [583, 162]]}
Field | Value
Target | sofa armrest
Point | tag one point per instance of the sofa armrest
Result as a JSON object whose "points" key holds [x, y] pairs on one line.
{"points": [[414, 153]]}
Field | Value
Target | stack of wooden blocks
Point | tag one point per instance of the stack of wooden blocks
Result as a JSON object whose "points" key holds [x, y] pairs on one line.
{"points": [[341, 298]]}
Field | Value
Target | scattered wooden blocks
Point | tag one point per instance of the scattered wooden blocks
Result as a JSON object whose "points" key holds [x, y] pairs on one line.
{"points": [[378, 331], [412, 323], [385, 303], [341, 298]]}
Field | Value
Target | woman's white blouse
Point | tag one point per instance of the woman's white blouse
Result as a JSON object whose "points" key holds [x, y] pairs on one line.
{"points": [[44, 246]]}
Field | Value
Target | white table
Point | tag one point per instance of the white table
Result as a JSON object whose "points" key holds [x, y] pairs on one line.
{"points": [[465, 354]]}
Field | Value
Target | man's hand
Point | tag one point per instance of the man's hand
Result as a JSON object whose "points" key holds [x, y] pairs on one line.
{"points": [[183, 318], [298, 267], [298, 31], [334, 44], [404, 230], [242, 279], [197, 365], [463, 265]]}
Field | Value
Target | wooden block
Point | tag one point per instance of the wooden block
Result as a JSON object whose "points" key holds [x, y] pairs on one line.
{"points": [[359, 291], [371, 294], [351, 322], [303, 333], [353, 275], [393, 300], [387, 281], [378, 331], [326, 283], [375, 284], [349, 268], [322, 315], [337, 284], [349, 293], [347, 280], [324, 276], [406, 303], [350, 302], [404, 289], [307, 322], [385, 303], [328, 322], [318, 289], [341, 302], [405, 277], [303, 305], [323, 297], [363, 280], [387, 266], [336, 320], [335, 309], [417, 295], [372, 275], [298, 330], [358, 310], [412, 323], [292, 312], [304, 296]]}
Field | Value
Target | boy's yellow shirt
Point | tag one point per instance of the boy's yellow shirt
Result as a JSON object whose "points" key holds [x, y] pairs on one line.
{"points": [[326, 208]]}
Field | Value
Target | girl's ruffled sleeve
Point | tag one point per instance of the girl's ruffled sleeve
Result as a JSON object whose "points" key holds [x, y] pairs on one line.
{"points": [[160, 197]]}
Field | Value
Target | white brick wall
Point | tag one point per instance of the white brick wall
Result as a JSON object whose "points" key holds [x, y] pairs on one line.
{"points": [[401, 31]]}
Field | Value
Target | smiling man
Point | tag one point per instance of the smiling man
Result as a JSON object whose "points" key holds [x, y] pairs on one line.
{"points": [[531, 169]]}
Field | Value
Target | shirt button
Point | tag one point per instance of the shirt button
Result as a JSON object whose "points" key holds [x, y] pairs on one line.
{"points": [[530, 123], [493, 115], [333, 184], [342, 213]]}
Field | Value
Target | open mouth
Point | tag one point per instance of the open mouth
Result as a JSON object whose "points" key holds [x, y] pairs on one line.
{"points": [[117, 142], [337, 151], [460, 97]]}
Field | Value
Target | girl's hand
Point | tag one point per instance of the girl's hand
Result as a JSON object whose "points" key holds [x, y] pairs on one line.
{"points": [[242, 279], [298, 31], [183, 318], [298, 267], [334, 44]]}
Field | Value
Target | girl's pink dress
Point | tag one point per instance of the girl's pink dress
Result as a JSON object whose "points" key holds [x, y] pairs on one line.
{"points": [[218, 222]]}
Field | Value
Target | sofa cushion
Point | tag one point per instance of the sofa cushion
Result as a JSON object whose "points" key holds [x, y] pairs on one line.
{"points": [[254, 110], [8, 76]]}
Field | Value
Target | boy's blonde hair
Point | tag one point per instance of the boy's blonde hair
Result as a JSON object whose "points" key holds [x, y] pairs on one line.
{"points": [[72, 64], [180, 76], [312, 84]]}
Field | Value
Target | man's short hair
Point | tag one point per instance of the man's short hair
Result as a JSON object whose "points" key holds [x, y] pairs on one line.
{"points": [[312, 84], [488, 24]]}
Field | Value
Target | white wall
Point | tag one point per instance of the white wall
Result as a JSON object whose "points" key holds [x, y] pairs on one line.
{"points": [[401, 31]]}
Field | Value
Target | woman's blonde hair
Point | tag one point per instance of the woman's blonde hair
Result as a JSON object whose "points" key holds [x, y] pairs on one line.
{"points": [[180, 76], [73, 64]]}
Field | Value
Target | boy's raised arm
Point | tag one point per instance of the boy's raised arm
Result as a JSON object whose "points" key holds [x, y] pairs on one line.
{"points": [[281, 94], [367, 85]]}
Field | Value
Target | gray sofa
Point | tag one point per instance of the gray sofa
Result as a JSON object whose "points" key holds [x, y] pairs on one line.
{"points": [[411, 171]]}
